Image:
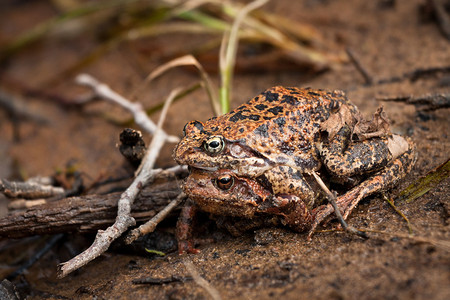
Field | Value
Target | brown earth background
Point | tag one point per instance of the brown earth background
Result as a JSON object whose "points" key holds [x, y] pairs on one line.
{"points": [[390, 38]]}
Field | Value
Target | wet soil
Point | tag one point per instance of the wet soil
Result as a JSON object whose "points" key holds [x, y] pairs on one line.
{"points": [[390, 38]]}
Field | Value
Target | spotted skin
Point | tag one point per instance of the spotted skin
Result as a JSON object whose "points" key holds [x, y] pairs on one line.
{"points": [[272, 144], [281, 126]]}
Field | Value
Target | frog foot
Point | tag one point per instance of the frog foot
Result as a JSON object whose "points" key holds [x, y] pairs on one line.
{"points": [[187, 247]]}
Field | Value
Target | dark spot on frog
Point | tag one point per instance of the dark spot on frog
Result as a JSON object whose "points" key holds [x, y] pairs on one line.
{"points": [[265, 182], [321, 117], [334, 105], [275, 110], [292, 129], [313, 93], [293, 91], [297, 175], [199, 126], [261, 106], [215, 128], [262, 130], [270, 96], [241, 130], [239, 116], [289, 100], [254, 117], [236, 117], [267, 118]]}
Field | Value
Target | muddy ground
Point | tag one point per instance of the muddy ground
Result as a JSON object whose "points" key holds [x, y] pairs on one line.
{"points": [[390, 38]]}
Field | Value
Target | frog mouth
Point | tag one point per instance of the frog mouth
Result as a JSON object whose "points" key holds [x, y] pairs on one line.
{"points": [[209, 169], [202, 168]]}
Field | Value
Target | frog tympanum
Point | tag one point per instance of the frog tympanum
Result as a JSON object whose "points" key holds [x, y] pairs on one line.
{"points": [[257, 160]]}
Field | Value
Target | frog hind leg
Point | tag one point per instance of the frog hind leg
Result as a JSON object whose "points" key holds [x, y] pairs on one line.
{"points": [[344, 158], [384, 179]]}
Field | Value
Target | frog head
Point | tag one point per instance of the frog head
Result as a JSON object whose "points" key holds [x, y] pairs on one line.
{"points": [[204, 146], [225, 193]]}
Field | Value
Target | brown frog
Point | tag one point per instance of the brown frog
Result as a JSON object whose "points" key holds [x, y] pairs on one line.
{"points": [[279, 138], [301, 129]]}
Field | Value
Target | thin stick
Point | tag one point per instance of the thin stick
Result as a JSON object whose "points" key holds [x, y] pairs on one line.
{"points": [[201, 281], [139, 115], [363, 71], [441, 16], [29, 190], [332, 199], [123, 220], [151, 225]]}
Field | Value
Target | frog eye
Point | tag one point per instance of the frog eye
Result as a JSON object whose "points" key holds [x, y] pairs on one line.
{"points": [[225, 182], [214, 144]]}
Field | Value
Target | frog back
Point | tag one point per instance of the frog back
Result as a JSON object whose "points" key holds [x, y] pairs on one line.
{"points": [[281, 123]]}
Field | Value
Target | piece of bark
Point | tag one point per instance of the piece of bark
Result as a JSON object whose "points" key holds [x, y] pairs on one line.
{"points": [[87, 213], [377, 127]]}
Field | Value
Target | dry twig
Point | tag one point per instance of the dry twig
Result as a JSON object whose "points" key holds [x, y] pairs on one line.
{"points": [[90, 213], [140, 117], [151, 225], [201, 281], [145, 173], [29, 189], [332, 199], [361, 69]]}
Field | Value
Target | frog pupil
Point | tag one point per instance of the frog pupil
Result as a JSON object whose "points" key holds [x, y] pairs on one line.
{"points": [[225, 182], [214, 144]]}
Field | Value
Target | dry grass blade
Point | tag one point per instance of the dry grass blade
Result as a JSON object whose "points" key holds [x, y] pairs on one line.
{"points": [[398, 211], [273, 34], [425, 184], [187, 60]]}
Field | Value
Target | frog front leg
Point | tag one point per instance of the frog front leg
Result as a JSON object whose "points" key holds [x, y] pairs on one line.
{"points": [[384, 179], [184, 228], [293, 211], [284, 180]]}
